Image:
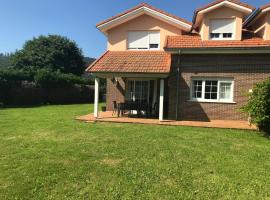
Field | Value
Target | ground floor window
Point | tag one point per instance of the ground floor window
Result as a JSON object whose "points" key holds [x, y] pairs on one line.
{"points": [[212, 90], [137, 90]]}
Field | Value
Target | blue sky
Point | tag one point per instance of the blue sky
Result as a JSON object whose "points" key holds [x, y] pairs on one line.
{"points": [[76, 19]]}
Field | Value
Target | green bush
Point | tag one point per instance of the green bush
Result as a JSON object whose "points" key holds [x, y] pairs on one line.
{"points": [[258, 106], [15, 75], [48, 79]]}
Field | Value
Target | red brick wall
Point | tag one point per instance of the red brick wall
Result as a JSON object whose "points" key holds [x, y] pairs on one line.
{"points": [[114, 92], [246, 70]]}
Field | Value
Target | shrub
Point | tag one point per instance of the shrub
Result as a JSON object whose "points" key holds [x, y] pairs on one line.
{"points": [[258, 106], [49, 79], [14, 75]]}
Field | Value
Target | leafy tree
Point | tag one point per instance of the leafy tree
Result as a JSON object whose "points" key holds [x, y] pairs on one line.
{"points": [[258, 106], [51, 52], [5, 60]]}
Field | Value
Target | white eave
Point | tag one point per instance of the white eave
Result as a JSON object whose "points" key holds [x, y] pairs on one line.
{"points": [[227, 4], [265, 10], [140, 11]]}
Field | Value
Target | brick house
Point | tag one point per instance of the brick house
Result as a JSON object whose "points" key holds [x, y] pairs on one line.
{"points": [[199, 70]]}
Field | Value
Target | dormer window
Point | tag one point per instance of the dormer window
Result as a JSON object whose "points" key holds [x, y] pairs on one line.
{"points": [[147, 40], [222, 29]]}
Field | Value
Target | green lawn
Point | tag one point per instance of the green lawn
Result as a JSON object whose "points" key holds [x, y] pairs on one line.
{"points": [[46, 154]]}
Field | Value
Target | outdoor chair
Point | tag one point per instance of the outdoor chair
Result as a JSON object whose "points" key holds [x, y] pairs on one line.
{"points": [[115, 108]]}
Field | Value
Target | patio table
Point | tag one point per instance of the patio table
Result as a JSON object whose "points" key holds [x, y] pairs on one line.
{"points": [[130, 106]]}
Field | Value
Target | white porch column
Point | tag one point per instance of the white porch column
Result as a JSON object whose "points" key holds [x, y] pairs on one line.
{"points": [[96, 97], [161, 99]]}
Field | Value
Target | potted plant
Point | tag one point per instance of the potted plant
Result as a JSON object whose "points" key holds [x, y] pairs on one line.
{"points": [[103, 108]]}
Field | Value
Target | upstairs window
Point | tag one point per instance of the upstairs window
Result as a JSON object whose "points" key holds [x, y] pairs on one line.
{"points": [[144, 40], [222, 29]]}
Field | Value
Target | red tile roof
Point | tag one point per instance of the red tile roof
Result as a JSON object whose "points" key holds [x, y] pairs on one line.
{"points": [[148, 6], [132, 62], [194, 41]]}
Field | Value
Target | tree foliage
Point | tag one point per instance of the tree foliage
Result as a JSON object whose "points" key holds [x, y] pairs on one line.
{"points": [[5, 60], [49, 79], [258, 105], [14, 75], [53, 52]]}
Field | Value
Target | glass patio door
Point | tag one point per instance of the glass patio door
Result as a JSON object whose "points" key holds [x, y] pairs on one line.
{"points": [[137, 90]]}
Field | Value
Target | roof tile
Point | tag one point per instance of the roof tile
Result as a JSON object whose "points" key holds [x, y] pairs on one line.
{"points": [[195, 41], [132, 62]]}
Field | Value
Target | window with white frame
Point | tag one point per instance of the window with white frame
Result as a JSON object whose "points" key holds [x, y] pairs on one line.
{"points": [[144, 40], [212, 90], [222, 29]]}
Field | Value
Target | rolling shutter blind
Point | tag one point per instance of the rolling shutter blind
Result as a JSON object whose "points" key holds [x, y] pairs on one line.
{"points": [[154, 37], [138, 40], [222, 26]]}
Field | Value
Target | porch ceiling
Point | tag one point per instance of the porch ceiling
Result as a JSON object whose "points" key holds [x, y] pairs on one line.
{"points": [[130, 63]]}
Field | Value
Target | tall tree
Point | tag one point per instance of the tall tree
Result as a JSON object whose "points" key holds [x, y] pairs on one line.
{"points": [[53, 52], [5, 60]]}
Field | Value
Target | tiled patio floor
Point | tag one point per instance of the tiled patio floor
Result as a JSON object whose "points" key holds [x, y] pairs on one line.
{"points": [[107, 117]]}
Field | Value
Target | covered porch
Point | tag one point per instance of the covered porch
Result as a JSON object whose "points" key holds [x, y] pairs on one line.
{"points": [[135, 82], [141, 97]]}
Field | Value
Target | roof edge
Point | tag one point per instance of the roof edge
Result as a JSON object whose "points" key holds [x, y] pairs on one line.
{"points": [[221, 50], [146, 6], [218, 2], [92, 64], [265, 6], [256, 14]]}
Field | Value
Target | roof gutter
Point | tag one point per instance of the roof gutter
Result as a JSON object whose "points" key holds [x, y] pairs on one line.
{"points": [[109, 74], [221, 50]]}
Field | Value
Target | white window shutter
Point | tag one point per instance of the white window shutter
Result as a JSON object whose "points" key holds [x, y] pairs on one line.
{"points": [[138, 39], [154, 37], [222, 25]]}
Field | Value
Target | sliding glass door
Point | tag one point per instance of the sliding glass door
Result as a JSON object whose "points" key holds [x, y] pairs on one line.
{"points": [[138, 90]]}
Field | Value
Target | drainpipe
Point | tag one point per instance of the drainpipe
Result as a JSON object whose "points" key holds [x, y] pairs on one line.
{"points": [[177, 83]]}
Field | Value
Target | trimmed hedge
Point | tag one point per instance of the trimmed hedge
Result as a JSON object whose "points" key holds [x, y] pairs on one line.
{"points": [[258, 106], [42, 77], [30, 94], [20, 87]]}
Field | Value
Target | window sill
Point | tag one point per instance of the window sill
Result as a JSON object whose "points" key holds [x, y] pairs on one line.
{"points": [[209, 101], [221, 39], [143, 49]]}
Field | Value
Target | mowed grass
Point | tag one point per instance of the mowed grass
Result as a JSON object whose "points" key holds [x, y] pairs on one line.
{"points": [[46, 154]]}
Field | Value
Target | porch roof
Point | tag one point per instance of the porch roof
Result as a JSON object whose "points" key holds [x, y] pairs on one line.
{"points": [[154, 62]]}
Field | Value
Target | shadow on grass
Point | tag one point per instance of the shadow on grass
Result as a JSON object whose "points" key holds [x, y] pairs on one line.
{"points": [[266, 135], [2, 107]]}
